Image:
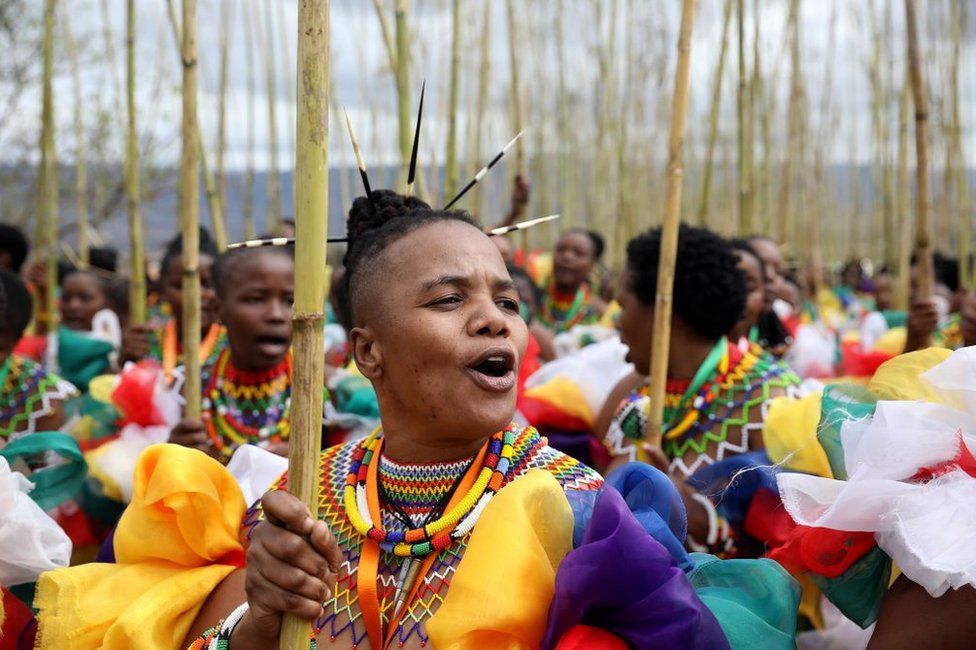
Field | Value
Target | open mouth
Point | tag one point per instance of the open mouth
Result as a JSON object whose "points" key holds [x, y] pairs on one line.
{"points": [[272, 345], [494, 370]]}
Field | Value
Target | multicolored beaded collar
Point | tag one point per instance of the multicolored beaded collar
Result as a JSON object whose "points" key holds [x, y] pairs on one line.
{"points": [[26, 393], [453, 524], [564, 314], [247, 407]]}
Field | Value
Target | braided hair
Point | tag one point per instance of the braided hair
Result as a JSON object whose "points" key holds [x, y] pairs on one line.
{"points": [[373, 225]]}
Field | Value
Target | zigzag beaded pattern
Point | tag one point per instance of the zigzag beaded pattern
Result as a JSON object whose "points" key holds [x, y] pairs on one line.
{"points": [[27, 396], [343, 619], [738, 409]]}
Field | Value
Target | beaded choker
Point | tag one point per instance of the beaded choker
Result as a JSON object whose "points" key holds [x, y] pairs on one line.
{"points": [[457, 521], [26, 394], [247, 407], [565, 314]]}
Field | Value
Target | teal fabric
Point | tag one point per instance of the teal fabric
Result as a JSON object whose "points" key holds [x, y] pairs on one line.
{"points": [[53, 485], [859, 591], [895, 317], [841, 403], [81, 357], [755, 601], [354, 394]]}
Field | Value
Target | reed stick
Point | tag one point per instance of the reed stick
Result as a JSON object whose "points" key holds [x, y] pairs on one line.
{"points": [[391, 48], [716, 107], [81, 163], [137, 281], [273, 187], [214, 203], [903, 294], [960, 176], [226, 35], [513, 62], [923, 226], [744, 135], [451, 159], [402, 73], [484, 82], [311, 223], [660, 347], [249, 45], [786, 230], [190, 215], [49, 172]]}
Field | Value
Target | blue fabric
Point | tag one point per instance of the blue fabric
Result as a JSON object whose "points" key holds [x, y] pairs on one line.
{"points": [[752, 471]]}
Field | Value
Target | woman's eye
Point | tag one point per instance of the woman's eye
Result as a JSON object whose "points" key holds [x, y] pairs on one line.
{"points": [[508, 304], [448, 300]]}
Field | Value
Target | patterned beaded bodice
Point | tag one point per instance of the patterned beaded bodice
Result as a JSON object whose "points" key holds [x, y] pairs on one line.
{"points": [[414, 488], [27, 395], [722, 417]]}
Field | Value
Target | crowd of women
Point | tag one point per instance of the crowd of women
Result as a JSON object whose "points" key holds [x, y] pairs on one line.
{"points": [[488, 475]]}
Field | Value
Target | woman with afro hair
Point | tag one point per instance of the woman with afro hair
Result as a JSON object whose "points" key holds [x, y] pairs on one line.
{"points": [[718, 395]]}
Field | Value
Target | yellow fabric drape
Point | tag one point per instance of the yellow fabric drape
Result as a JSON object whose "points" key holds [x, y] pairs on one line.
{"points": [[790, 435], [500, 595], [565, 395], [174, 544], [901, 378]]}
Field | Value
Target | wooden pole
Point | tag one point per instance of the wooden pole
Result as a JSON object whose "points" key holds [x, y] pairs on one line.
{"points": [[209, 184], [706, 187], [273, 189], [484, 78], [660, 347], [516, 87], [49, 172], [402, 72], [311, 222], [904, 200], [451, 164], [787, 220], [137, 283], [923, 227], [81, 166], [746, 224], [248, 17], [387, 34], [960, 175], [190, 215], [226, 34]]}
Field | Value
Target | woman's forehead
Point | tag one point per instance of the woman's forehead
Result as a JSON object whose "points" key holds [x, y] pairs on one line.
{"points": [[444, 249]]}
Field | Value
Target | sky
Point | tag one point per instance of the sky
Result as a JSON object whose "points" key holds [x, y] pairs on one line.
{"points": [[364, 85]]}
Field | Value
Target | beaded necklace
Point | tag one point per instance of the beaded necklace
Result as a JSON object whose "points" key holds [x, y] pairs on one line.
{"points": [[247, 407], [436, 535], [564, 314], [26, 393], [166, 350]]}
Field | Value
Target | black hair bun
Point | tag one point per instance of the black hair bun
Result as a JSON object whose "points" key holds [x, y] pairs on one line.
{"points": [[387, 205]]}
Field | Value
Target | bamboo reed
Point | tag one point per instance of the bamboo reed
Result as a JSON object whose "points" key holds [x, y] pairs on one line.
{"points": [[787, 220], [904, 200], [273, 188], [248, 18], [81, 166], [137, 281], [391, 48], [311, 223], [226, 34], [190, 215], [660, 348], [960, 176], [49, 172], [746, 224], [713, 116], [451, 159], [288, 78], [213, 196], [402, 72], [513, 62], [923, 227], [484, 80]]}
